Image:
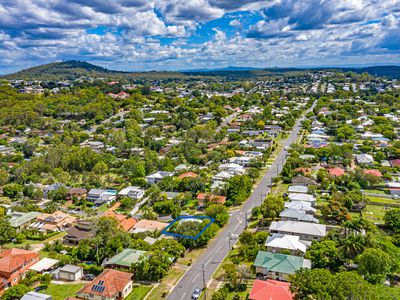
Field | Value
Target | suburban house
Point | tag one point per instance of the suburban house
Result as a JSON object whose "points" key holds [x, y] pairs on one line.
{"points": [[36, 296], [187, 175], [233, 168], [306, 231], [278, 242], [20, 220], [78, 193], [301, 205], [68, 273], [270, 290], [222, 176], [148, 225], [132, 192], [14, 263], [57, 221], [81, 231], [126, 223], [48, 189], [301, 197], [99, 196], [157, 177], [364, 159], [125, 259], [290, 214], [302, 180], [109, 285], [336, 172], [45, 264], [394, 188], [279, 266], [204, 198], [298, 189]]}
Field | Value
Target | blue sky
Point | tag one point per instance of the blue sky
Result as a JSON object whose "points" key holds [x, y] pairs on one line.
{"points": [[136, 35]]}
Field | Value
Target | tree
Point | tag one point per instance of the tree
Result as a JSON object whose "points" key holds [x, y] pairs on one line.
{"points": [[312, 284], [374, 264], [15, 292], [59, 194], [169, 246], [12, 190], [345, 132], [272, 206], [324, 254], [127, 203], [392, 219], [152, 268], [7, 232], [239, 188], [219, 213], [100, 168]]}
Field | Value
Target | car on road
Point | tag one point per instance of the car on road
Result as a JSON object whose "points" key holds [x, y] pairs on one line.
{"points": [[196, 293]]}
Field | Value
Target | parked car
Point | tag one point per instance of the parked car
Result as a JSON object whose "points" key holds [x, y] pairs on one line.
{"points": [[89, 277], [196, 293]]}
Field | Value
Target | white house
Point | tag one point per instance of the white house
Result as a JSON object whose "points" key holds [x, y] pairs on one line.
{"points": [[278, 242], [301, 205], [298, 189], [157, 177], [306, 231], [232, 168], [132, 192], [301, 197]]}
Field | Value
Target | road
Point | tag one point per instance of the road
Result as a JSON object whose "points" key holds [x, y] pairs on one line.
{"points": [[226, 121], [219, 248]]}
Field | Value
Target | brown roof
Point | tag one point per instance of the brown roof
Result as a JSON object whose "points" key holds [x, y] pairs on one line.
{"points": [[14, 258], [113, 281], [150, 225], [187, 174]]}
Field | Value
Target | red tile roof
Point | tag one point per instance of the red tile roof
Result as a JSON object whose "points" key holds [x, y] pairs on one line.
{"points": [[376, 173], [270, 290], [336, 172], [211, 198], [187, 174], [114, 282], [14, 258]]}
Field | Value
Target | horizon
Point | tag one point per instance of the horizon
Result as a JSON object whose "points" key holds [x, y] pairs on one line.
{"points": [[176, 35]]}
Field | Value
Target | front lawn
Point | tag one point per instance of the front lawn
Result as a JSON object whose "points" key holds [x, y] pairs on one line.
{"points": [[62, 291], [139, 292]]}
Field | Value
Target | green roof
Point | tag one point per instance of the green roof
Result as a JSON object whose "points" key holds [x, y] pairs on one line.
{"points": [[126, 258], [278, 262], [20, 219]]}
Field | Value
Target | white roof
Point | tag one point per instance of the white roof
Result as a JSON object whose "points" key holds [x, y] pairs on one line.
{"points": [[393, 184], [285, 241], [299, 227], [300, 205], [301, 197], [125, 191], [298, 189], [44, 264]]}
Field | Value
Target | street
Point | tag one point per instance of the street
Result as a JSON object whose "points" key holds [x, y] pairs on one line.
{"points": [[203, 268]]}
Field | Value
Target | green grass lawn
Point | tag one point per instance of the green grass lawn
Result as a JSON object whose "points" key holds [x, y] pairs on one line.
{"points": [[29, 242], [139, 292], [62, 291], [170, 280], [383, 200]]}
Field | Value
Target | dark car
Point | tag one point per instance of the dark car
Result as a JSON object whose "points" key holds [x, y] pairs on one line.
{"points": [[196, 293], [89, 277]]}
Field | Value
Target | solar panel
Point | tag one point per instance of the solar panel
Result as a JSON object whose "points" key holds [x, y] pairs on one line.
{"points": [[101, 282], [98, 288]]}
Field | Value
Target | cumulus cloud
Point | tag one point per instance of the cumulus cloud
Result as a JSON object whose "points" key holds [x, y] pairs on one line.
{"points": [[173, 34]]}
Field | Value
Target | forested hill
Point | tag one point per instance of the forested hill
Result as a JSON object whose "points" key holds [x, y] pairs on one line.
{"points": [[72, 69]]}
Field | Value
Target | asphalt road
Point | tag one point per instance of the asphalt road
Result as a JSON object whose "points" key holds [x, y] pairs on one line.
{"points": [[216, 252]]}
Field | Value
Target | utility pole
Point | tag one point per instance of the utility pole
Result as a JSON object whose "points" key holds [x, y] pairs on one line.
{"points": [[229, 241], [245, 215], [203, 269]]}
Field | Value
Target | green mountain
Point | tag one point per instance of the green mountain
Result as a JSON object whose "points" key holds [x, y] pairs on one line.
{"points": [[73, 69], [70, 69]]}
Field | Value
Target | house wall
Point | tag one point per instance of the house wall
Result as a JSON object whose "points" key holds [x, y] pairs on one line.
{"points": [[14, 277], [71, 276]]}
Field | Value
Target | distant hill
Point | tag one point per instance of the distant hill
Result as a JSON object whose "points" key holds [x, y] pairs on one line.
{"points": [[72, 69]]}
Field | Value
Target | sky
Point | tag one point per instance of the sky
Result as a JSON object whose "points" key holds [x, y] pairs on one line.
{"points": [[137, 35]]}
